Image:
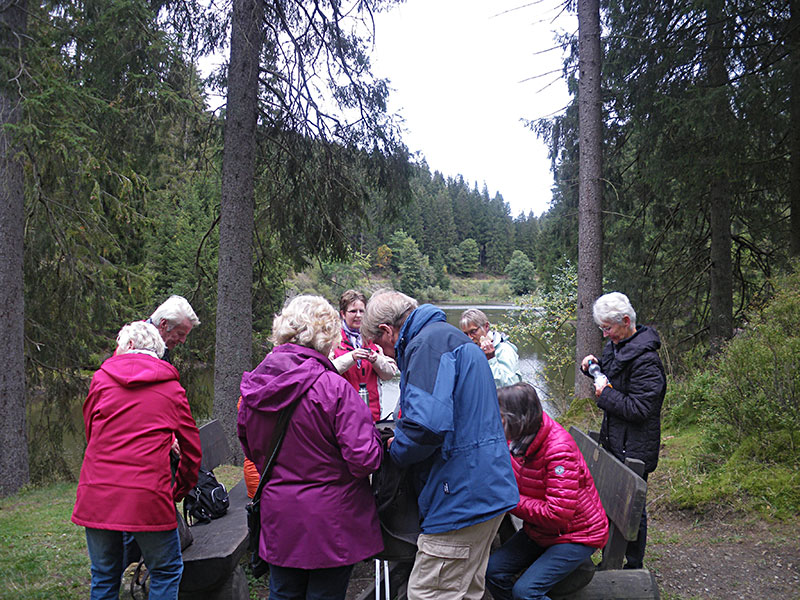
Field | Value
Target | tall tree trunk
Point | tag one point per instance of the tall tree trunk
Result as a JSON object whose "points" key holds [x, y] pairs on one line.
{"points": [[13, 435], [794, 126], [590, 225], [235, 278], [721, 288]]}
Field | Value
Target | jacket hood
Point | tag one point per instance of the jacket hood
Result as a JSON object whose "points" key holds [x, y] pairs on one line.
{"points": [[416, 321], [133, 370], [646, 339], [285, 374]]}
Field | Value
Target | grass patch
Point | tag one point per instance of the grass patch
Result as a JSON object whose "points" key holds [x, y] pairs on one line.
{"points": [[746, 482], [479, 290], [42, 553]]}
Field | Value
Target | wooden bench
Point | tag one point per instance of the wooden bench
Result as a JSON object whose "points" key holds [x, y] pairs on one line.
{"points": [[622, 491], [211, 569]]}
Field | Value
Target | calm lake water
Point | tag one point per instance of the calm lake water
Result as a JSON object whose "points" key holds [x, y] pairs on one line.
{"points": [[530, 361]]}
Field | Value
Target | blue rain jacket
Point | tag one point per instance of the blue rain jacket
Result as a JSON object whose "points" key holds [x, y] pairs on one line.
{"points": [[449, 432]]}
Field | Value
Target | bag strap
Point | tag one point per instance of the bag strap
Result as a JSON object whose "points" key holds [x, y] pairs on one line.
{"points": [[275, 445]]}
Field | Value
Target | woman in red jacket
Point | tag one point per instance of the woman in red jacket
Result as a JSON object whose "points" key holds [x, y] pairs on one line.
{"points": [[134, 411], [563, 519], [357, 360]]}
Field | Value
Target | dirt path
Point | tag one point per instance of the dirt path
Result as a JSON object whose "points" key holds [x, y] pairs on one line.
{"points": [[706, 558], [723, 557]]}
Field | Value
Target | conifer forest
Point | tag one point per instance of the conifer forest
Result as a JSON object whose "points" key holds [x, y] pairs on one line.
{"points": [[121, 184]]}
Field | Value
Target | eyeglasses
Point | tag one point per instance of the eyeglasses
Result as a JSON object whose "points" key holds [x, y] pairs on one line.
{"points": [[355, 311], [606, 328]]}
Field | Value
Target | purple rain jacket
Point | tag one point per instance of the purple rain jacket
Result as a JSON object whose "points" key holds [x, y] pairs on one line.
{"points": [[317, 510]]}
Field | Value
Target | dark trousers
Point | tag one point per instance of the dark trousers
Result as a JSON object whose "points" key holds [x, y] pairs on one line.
{"points": [[634, 553], [286, 583]]}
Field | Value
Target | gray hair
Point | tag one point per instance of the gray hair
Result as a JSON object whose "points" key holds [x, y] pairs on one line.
{"points": [[309, 321], [140, 338], [611, 308], [474, 316], [386, 307], [174, 310]]}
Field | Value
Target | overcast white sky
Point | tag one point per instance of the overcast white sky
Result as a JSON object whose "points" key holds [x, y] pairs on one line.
{"points": [[457, 69]]}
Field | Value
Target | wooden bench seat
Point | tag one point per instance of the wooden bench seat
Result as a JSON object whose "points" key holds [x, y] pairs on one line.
{"points": [[622, 492], [211, 569]]}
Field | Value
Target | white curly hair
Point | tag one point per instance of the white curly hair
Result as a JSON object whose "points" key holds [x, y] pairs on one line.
{"points": [[141, 338]]}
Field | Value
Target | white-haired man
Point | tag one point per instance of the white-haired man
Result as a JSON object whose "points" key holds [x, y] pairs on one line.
{"points": [[174, 320], [450, 437]]}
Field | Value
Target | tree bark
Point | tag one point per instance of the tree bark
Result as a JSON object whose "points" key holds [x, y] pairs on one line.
{"points": [[234, 325], [721, 286], [13, 434], [794, 127], [590, 227]]}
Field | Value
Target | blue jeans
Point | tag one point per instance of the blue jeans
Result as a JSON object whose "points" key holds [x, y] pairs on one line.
{"points": [[162, 554], [286, 583], [542, 567]]}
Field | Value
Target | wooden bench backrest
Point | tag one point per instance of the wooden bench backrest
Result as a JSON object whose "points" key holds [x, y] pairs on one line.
{"points": [[622, 492], [214, 445]]}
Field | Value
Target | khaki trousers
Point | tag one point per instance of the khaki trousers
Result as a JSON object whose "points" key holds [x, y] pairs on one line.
{"points": [[452, 565]]}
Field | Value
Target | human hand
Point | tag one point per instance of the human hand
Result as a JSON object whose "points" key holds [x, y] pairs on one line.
{"points": [[361, 354], [600, 383], [387, 435], [487, 346], [175, 451], [585, 362]]}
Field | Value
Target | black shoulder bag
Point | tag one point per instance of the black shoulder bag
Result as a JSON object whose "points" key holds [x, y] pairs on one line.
{"points": [[258, 564]]}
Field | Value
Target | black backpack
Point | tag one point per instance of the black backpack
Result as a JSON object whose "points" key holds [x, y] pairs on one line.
{"points": [[207, 500]]}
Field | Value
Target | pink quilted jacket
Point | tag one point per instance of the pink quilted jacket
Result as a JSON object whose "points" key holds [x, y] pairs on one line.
{"points": [[558, 500]]}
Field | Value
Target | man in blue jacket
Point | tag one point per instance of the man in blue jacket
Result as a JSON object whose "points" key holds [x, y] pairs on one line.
{"points": [[449, 434]]}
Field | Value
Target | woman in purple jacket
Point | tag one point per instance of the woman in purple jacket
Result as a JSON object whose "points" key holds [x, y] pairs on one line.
{"points": [[318, 514]]}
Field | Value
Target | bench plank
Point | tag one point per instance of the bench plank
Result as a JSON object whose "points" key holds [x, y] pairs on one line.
{"points": [[218, 546], [214, 445], [632, 584], [211, 567], [621, 490]]}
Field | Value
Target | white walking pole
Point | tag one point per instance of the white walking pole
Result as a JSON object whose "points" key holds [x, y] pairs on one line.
{"points": [[386, 577], [377, 579]]}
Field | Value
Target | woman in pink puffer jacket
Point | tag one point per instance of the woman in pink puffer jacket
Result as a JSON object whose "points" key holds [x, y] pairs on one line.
{"points": [[563, 518]]}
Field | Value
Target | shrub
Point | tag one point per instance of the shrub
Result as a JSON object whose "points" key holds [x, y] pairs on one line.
{"points": [[549, 317], [757, 382], [747, 409]]}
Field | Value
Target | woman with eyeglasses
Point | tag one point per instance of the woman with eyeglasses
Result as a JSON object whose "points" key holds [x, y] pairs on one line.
{"points": [[356, 359], [630, 394]]}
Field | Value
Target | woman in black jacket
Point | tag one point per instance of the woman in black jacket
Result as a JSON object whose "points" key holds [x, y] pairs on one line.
{"points": [[630, 394]]}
